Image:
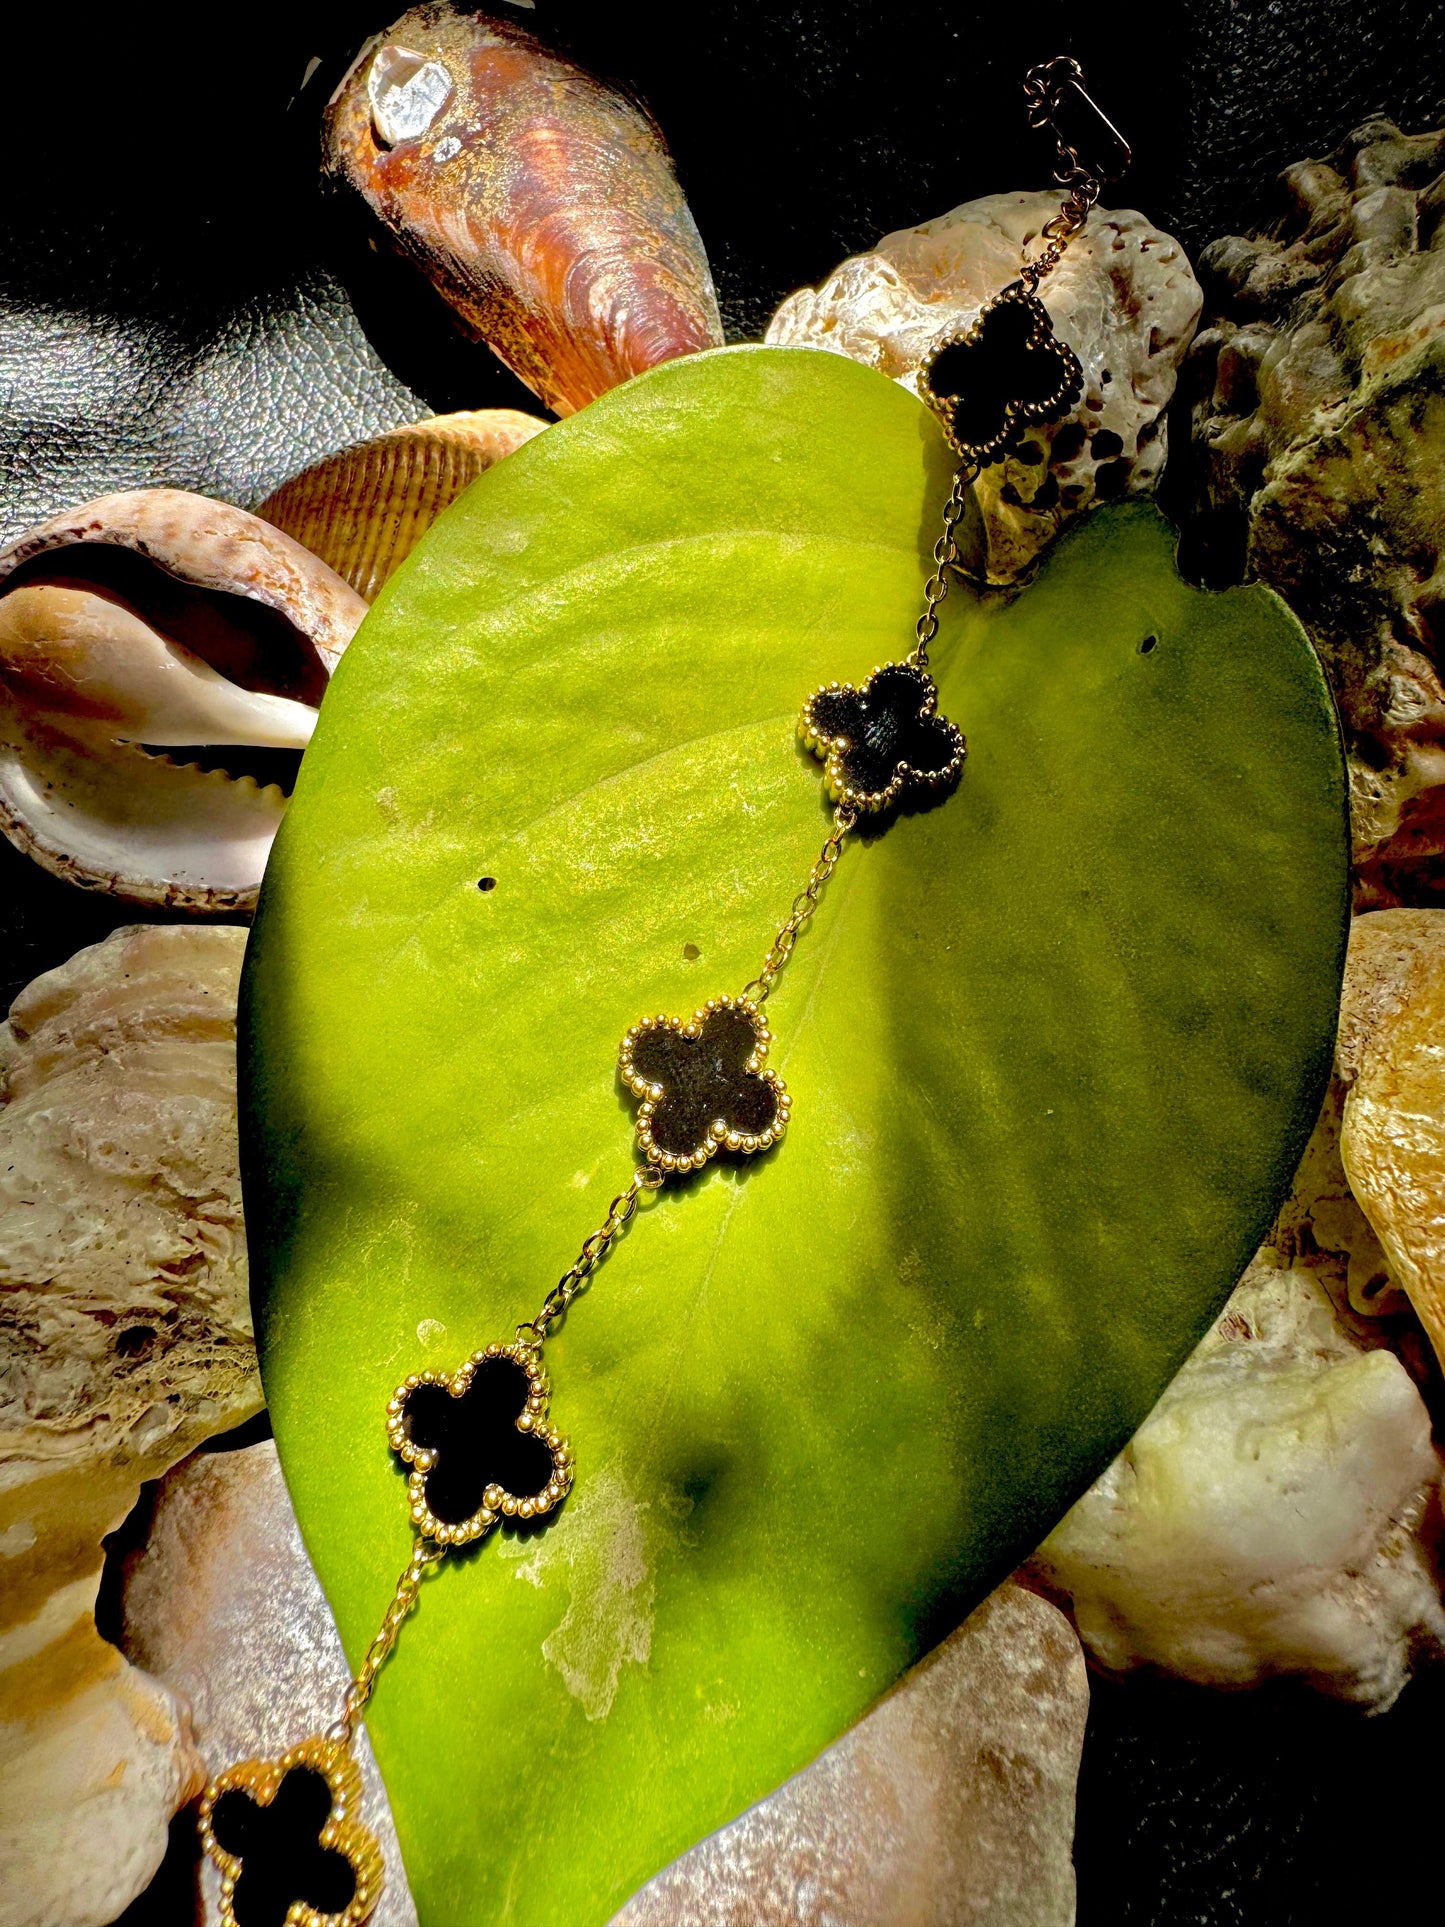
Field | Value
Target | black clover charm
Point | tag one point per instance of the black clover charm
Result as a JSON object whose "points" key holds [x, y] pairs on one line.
{"points": [[703, 1085], [478, 1445], [884, 740], [1009, 369], [288, 1850]]}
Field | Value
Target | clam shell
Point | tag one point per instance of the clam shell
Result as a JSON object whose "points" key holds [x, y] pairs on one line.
{"points": [[539, 202], [364, 510], [156, 650]]}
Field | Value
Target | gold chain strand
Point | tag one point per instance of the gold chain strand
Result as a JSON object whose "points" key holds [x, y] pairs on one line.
{"points": [[594, 1250], [1093, 154], [945, 554], [1060, 229], [424, 1555], [804, 904]]}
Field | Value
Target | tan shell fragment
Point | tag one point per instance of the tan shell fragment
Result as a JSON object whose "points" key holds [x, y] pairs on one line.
{"points": [[125, 1342], [365, 509], [141, 638], [1392, 1060]]}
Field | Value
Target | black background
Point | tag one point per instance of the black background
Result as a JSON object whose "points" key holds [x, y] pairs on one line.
{"points": [[180, 304]]}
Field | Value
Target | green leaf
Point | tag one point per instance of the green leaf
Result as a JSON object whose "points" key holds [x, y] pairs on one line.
{"points": [[1053, 1047]]}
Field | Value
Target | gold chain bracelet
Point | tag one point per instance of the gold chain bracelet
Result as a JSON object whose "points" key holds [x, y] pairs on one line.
{"points": [[477, 1443]]}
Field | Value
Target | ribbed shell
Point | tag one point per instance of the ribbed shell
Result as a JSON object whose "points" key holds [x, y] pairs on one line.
{"points": [[364, 510]]}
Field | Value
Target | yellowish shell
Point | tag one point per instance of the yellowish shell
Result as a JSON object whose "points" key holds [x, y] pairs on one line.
{"points": [[364, 510], [1392, 1023]]}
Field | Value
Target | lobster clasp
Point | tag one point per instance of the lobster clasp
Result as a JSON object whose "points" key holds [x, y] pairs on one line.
{"points": [[1089, 142]]}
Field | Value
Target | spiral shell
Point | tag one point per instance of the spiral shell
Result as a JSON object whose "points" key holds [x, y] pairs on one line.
{"points": [[540, 202], [162, 658], [365, 509]]}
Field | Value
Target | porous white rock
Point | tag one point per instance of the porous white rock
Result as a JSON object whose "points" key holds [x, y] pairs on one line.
{"points": [[1125, 299], [1273, 1514], [125, 1340]]}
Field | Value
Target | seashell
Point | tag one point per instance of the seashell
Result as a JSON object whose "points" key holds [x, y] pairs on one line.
{"points": [[540, 202], [365, 509], [1390, 1060], [950, 1803], [1125, 299], [156, 650], [127, 1342]]}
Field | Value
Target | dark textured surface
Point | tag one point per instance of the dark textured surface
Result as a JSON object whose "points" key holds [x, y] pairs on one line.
{"points": [[1269, 1808], [176, 305]]}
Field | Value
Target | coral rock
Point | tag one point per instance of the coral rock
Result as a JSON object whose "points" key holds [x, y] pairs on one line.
{"points": [[951, 1803], [1124, 298], [223, 1606], [1391, 1060], [1273, 1514], [126, 1341], [1316, 389]]}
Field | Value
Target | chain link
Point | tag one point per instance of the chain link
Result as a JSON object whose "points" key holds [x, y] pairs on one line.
{"points": [[945, 553], [423, 1557], [594, 1250], [804, 904], [1082, 184]]}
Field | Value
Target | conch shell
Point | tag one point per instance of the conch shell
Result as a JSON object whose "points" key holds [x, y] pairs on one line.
{"points": [[1391, 1058], [156, 650], [539, 201], [364, 511]]}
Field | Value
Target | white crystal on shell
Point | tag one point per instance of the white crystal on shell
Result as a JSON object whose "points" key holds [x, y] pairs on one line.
{"points": [[1124, 298], [407, 92]]}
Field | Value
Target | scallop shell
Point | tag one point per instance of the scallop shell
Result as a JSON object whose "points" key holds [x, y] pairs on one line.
{"points": [[540, 202], [156, 650], [364, 510]]}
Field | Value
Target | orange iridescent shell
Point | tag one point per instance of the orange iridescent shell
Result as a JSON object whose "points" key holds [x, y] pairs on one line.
{"points": [[540, 202]]}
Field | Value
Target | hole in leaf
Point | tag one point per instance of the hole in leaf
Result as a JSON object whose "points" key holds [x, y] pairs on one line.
{"points": [[1148, 644], [691, 952], [486, 883]]}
